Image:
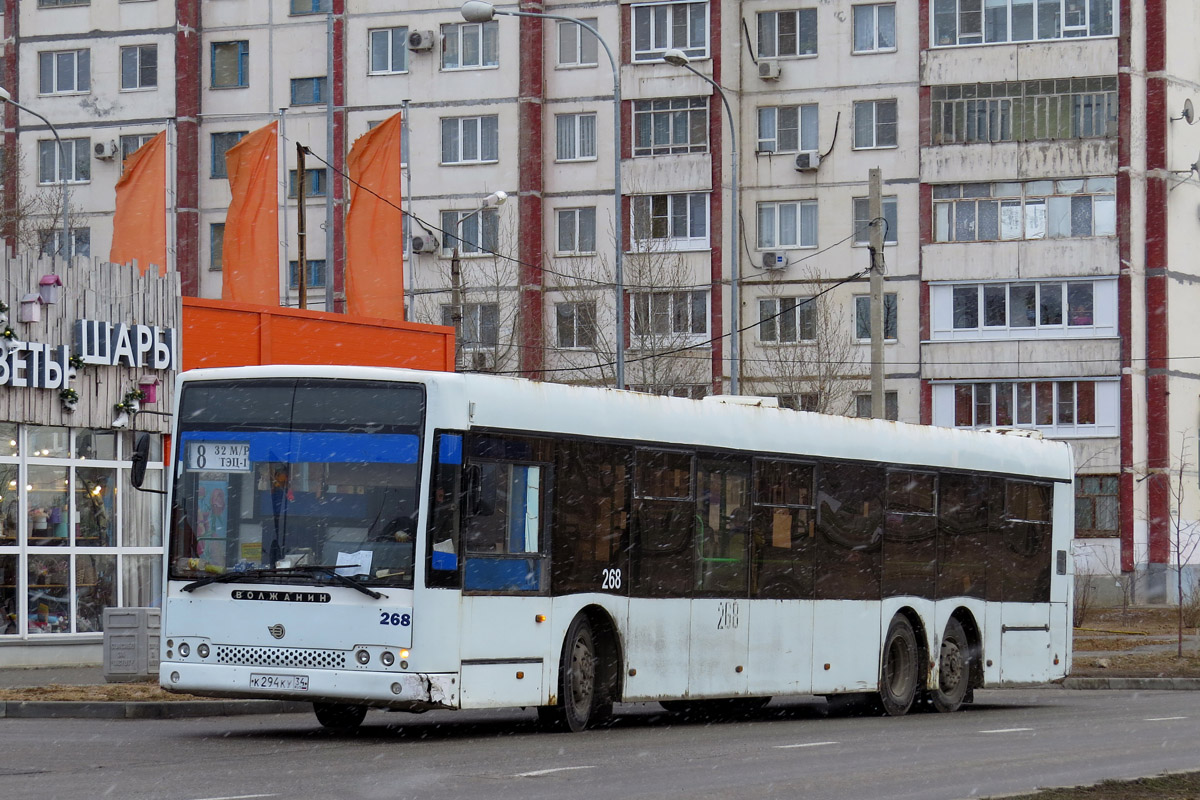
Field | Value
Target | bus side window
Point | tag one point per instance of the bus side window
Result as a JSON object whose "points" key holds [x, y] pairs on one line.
{"points": [[783, 527], [502, 526], [665, 514], [443, 563], [849, 531], [1021, 551]]}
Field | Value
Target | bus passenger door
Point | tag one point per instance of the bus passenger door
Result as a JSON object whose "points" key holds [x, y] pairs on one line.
{"points": [[504, 647], [720, 604]]}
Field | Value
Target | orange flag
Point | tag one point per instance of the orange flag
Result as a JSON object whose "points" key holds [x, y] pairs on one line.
{"points": [[250, 257], [375, 225], [140, 220]]}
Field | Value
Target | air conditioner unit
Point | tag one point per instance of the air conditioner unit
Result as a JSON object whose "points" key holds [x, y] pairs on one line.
{"points": [[483, 361], [773, 260], [105, 150], [424, 244], [421, 40], [808, 161], [768, 70]]}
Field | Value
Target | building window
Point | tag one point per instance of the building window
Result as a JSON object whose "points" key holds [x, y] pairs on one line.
{"points": [[64, 71], [960, 22], [308, 6], [576, 323], [1062, 404], [308, 91], [216, 246], [1097, 506], [862, 316], [692, 391], [660, 27], [577, 230], [787, 33], [470, 45], [53, 3], [1043, 309], [79, 243], [72, 165], [131, 143], [477, 232], [1024, 111], [230, 64], [314, 182], [874, 124], [139, 66], [805, 401], [389, 50], [669, 313], [787, 319], [863, 406], [862, 220], [575, 137], [787, 129], [470, 140], [576, 45], [677, 125], [480, 327], [875, 28], [221, 142], [314, 274], [677, 221], [988, 212], [790, 224]]}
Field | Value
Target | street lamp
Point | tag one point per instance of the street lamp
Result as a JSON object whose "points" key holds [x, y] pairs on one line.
{"points": [[5, 97], [491, 201], [479, 11], [679, 59]]}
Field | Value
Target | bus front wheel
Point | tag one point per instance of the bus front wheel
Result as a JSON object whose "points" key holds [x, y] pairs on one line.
{"points": [[954, 669], [578, 704], [341, 717], [899, 674]]}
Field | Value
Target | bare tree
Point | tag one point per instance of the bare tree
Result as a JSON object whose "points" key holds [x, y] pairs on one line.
{"points": [[36, 215], [1185, 537], [806, 348]]}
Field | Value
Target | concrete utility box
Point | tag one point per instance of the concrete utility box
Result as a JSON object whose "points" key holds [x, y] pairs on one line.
{"points": [[131, 642]]}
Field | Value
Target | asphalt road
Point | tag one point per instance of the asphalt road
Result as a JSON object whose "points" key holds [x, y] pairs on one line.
{"points": [[1008, 741]]}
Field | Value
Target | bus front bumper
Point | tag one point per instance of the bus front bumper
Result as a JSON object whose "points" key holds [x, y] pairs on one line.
{"points": [[414, 691]]}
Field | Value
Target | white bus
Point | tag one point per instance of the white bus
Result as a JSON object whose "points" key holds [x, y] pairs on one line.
{"points": [[380, 538]]}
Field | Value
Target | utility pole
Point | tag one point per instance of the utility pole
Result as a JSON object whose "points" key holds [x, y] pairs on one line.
{"points": [[875, 210], [302, 227]]}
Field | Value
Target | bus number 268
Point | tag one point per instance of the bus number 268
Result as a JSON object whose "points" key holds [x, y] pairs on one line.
{"points": [[611, 579], [403, 620]]}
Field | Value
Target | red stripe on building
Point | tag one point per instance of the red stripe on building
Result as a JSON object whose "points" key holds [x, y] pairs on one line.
{"points": [[338, 145], [1125, 496], [8, 172], [187, 145], [716, 219], [530, 246]]}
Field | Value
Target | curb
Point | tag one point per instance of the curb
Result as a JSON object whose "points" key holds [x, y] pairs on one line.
{"points": [[182, 709], [1137, 684]]}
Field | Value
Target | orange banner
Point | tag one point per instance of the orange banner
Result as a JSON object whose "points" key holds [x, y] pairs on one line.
{"points": [[140, 219], [250, 257], [375, 225]]}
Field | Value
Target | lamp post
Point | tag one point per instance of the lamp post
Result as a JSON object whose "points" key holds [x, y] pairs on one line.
{"points": [[491, 201], [480, 11], [5, 97], [679, 59]]}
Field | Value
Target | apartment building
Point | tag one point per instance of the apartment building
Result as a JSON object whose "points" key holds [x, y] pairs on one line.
{"points": [[1039, 196]]}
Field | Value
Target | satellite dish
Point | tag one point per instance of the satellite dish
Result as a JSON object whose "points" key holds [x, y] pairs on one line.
{"points": [[1189, 112]]}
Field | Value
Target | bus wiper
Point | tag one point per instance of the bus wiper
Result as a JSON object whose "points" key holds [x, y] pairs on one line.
{"points": [[325, 569]]}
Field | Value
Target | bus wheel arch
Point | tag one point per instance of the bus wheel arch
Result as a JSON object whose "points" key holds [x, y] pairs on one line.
{"points": [[587, 671], [902, 664]]}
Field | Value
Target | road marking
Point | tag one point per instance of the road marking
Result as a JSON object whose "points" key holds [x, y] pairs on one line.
{"points": [[1162, 719], [1008, 730], [806, 744], [238, 797], [539, 772]]}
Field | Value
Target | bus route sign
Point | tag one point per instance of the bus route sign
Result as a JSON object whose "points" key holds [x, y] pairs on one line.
{"points": [[218, 456]]}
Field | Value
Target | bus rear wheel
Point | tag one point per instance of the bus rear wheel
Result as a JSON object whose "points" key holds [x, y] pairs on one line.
{"points": [[579, 705], [340, 717], [954, 669], [899, 674]]}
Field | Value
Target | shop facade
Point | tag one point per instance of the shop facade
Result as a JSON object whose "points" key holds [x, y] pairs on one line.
{"points": [[88, 356]]}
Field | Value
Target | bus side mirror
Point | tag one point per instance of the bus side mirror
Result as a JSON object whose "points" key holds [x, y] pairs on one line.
{"points": [[141, 452]]}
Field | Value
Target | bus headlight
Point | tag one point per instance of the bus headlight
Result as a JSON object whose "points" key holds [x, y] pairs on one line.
{"points": [[362, 656], [387, 658], [185, 650], [202, 651]]}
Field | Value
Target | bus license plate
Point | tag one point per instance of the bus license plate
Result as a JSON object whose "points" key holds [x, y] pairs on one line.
{"points": [[287, 683]]}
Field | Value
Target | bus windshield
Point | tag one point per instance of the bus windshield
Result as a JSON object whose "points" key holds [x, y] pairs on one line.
{"points": [[280, 474]]}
